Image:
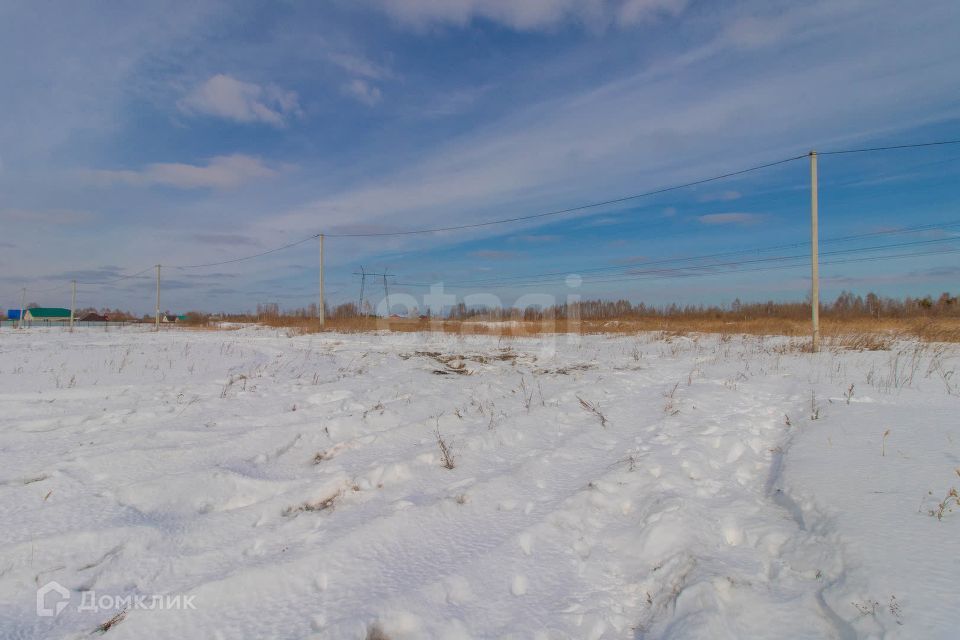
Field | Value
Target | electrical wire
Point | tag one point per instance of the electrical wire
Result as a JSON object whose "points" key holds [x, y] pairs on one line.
{"points": [[558, 212], [59, 287], [848, 238], [569, 209], [692, 272], [514, 219], [662, 271], [890, 148], [241, 259], [118, 279]]}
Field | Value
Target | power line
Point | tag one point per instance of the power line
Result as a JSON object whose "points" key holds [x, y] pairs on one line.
{"points": [[574, 209], [488, 223], [634, 196], [118, 279], [715, 265], [847, 238], [890, 148], [800, 265], [59, 287], [701, 271], [558, 212], [537, 215], [241, 259]]}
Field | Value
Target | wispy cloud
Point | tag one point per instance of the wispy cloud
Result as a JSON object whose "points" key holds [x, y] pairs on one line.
{"points": [[226, 239], [489, 254], [601, 222], [363, 91], [365, 77], [360, 66], [96, 274], [529, 16], [221, 172], [721, 196], [730, 218], [534, 238], [224, 96], [222, 291], [631, 260], [454, 102], [946, 272], [488, 130]]}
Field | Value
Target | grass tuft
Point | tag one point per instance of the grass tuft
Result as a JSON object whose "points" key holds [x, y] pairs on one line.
{"points": [[111, 623], [448, 458], [592, 408]]}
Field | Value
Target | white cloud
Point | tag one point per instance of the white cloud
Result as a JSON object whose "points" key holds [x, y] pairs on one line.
{"points": [[363, 91], [453, 102], [360, 66], [221, 172], [226, 97], [615, 138], [721, 196], [730, 218], [635, 11], [529, 15]]}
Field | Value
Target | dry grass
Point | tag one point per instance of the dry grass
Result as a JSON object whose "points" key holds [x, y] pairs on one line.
{"points": [[319, 505], [592, 408], [111, 623], [841, 333], [945, 505], [949, 502], [447, 456], [376, 632]]}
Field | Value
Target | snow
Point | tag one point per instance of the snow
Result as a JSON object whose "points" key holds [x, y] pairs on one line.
{"points": [[645, 486]]}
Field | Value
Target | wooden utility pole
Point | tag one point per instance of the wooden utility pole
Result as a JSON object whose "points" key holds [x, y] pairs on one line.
{"points": [[73, 303], [363, 283], [321, 310], [814, 255], [23, 304], [386, 292], [157, 315]]}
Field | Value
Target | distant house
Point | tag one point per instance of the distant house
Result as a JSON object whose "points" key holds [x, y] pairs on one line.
{"points": [[46, 314], [94, 317], [169, 317]]}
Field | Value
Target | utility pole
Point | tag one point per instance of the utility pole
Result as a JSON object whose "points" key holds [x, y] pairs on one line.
{"points": [[73, 303], [814, 255], [157, 316], [386, 292], [363, 282], [23, 304], [321, 311]]}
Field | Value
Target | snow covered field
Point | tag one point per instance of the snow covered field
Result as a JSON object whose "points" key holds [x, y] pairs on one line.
{"points": [[246, 484]]}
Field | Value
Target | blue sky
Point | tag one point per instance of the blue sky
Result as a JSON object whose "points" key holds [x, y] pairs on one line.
{"points": [[185, 133]]}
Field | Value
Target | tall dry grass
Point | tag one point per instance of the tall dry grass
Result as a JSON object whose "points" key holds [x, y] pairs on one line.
{"points": [[855, 333]]}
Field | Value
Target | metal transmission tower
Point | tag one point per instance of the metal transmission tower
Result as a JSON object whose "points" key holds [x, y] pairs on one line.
{"points": [[363, 283]]}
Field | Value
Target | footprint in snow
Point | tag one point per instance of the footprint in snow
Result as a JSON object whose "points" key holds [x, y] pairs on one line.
{"points": [[526, 542], [519, 585]]}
